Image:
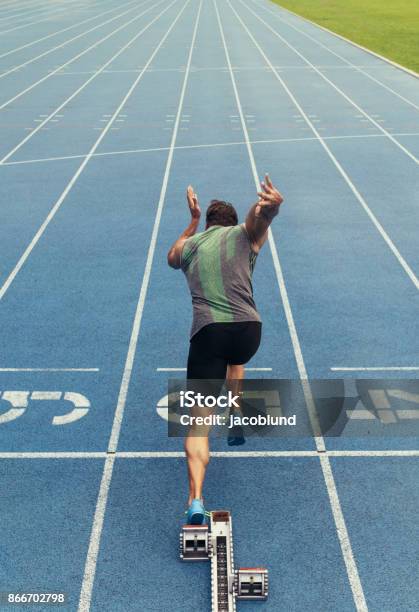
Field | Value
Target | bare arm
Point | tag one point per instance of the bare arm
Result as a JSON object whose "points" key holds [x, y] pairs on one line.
{"points": [[174, 256], [261, 214]]}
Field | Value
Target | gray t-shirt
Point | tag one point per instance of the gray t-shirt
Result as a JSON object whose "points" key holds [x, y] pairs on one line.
{"points": [[218, 265]]}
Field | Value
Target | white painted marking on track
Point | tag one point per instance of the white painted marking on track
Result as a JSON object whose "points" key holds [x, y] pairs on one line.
{"points": [[46, 395], [335, 87], [81, 408], [75, 177], [360, 68], [184, 369], [70, 40], [342, 533], [407, 414], [31, 23], [297, 454], [77, 91], [360, 415], [49, 370], [30, 44], [19, 400], [94, 543], [203, 146], [403, 263], [376, 369], [100, 41]]}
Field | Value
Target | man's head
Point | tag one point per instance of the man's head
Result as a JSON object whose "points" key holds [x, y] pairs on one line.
{"points": [[221, 213]]}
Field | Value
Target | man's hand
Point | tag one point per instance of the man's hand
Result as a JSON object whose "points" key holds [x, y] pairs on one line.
{"points": [[261, 214], [193, 203], [174, 256], [269, 199]]}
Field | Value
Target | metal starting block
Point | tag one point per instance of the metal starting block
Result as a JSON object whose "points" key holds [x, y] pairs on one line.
{"points": [[194, 543], [215, 543]]}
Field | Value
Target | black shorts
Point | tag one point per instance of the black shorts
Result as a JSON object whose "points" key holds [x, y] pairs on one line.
{"points": [[218, 345]]}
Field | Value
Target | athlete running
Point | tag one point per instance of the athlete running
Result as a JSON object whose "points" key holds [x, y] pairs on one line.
{"points": [[226, 329]]}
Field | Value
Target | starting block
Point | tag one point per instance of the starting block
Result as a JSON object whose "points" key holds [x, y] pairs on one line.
{"points": [[215, 543]]}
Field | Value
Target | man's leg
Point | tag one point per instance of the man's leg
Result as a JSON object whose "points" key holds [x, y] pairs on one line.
{"points": [[206, 364], [196, 443], [235, 376], [197, 454]]}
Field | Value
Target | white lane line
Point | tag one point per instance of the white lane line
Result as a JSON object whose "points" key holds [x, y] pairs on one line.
{"points": [[373, 453], [6, 8], [353, 43], [54, 455], [49, 369], [82, 166], [196, 146], [10, 5], [92, 554], [377, 369], [66, 42], [150, 255], [341, 530], [357, 68], [215, 454], [73, 59], [337, 164], [184, 369], [62, 10], [24, 15], [38, 40], [377, 124], [83, 85], [206, 69]]}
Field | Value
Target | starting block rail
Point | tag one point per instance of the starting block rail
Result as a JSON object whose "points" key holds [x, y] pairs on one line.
{"points": [[215, 543]]}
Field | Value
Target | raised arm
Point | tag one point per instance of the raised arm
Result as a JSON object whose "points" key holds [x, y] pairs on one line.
{"points": [[261, 214], [174, 256]]}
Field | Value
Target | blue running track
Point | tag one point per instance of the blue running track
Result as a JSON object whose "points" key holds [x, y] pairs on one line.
{"points": [[107, 112]]}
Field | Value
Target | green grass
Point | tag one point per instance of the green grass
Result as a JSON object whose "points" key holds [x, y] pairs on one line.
{"points": [[388, 27]]}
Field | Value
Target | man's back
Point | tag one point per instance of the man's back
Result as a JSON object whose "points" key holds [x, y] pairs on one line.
{"points": [[218, 265]]}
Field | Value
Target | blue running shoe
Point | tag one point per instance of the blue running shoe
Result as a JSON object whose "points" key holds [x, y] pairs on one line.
{"points": [[236, 436], [196, 513]]}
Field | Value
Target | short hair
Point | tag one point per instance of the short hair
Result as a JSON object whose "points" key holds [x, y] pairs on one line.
{"points": [[221, 213]]}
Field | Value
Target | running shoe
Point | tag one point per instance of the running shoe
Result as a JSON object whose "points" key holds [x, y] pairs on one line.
{"points": [[236, 436], [196, 513]]}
